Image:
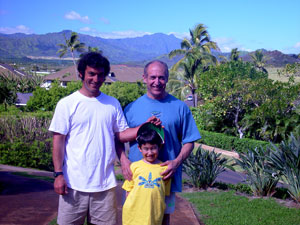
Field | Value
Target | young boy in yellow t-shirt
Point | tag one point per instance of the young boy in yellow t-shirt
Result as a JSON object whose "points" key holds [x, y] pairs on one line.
{"points": [[145, 202]]}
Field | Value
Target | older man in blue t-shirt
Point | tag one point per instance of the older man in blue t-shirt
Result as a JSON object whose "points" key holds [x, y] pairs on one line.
{"points": [[180, 128]]}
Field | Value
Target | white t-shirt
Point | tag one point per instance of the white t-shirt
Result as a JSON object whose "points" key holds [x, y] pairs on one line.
{"points": [[89, 125]]}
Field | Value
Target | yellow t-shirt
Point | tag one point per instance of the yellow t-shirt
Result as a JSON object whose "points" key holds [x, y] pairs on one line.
{"points": [[145, 204]]}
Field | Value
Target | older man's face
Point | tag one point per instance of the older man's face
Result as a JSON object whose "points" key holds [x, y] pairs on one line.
{"points": [[156, 81]]}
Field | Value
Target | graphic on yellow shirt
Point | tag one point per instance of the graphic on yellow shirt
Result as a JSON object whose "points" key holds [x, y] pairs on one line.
{"points": [[149, 183]]}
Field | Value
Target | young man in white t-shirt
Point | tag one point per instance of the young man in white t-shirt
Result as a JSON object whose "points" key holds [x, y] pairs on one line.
{"points": [[84, 128]]}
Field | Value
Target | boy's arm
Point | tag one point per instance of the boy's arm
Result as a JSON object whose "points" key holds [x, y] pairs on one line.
{"points": [[168, 187]]}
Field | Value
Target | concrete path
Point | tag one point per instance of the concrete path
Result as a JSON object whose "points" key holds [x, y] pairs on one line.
{"points": [[32, 201]]}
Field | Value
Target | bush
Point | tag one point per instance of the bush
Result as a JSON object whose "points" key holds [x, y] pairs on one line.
{"points": [[33, 155], [125, 92], [260, 175], [25, 140], [230, 143], [286, 160], [203, 167]]}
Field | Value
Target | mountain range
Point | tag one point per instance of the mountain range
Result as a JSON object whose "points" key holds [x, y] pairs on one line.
{"points": [[126, 50]]}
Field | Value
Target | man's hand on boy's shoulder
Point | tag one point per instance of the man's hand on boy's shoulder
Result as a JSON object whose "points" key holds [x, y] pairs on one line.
{"points": [[171, 169]]}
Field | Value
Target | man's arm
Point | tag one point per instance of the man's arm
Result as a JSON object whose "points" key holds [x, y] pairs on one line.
{"points": [[174, 164], [60, 185], [125, 163], [130, 133]]}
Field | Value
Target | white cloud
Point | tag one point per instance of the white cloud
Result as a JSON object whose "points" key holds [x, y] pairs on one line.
{"points": [[114, 34], [104, 20], [17, 29], [76, 16], [295, 49], [297, 45], [180, 35], [227, 44]]}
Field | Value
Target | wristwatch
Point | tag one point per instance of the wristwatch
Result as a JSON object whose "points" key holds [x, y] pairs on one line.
{"points": [[56, 174]]}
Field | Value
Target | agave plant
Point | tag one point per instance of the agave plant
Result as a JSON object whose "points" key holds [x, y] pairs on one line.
{"points": [[261, 176], [286, 159], [203, 167]]}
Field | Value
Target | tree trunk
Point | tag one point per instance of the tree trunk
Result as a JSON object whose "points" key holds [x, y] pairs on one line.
{"points": [[76, 72]]}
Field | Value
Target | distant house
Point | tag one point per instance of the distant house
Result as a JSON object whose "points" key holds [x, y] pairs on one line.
{"points": [[121, 73], [22, 98], [7, 70]]}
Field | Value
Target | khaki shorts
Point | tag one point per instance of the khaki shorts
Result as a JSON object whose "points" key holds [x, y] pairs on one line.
{"points": [[98, 207]]}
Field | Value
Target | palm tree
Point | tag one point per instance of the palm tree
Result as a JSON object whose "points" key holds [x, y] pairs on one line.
{"points": [[94, 49], [259, 60], [197, 56], [234, 55], [72, 44]]}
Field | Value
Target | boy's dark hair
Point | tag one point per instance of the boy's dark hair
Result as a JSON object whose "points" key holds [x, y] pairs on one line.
{"points": [[149, 136], [94, 60]]}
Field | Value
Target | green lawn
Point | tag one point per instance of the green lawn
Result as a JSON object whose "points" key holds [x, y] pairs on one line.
{"points": [[272, 71], [219, 208]]}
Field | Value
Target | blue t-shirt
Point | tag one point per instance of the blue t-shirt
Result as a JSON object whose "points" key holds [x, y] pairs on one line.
{"points": [[179, 127]]}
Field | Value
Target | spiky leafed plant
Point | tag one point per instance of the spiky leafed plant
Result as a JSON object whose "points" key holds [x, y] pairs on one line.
{"points": [[203, 167], [286, 159], [261, 177]]}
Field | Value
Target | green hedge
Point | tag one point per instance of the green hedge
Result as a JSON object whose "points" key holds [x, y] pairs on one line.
{"points": [[32, 155], [25, 139], [230, 143]]}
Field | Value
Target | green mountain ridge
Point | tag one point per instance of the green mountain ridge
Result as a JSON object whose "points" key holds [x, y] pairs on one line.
{"points": [[126, 50]]}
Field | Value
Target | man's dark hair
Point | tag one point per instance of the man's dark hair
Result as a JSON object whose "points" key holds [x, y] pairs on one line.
{"points": [[157, 61], [149, 136], [94, 60]]}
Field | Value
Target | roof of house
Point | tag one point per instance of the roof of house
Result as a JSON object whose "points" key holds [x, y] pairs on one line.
{"points": [[4, 68], [22, 98], [122, 73]]}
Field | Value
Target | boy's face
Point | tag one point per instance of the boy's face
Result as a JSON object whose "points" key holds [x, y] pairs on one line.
{"points": [[149, 152]]}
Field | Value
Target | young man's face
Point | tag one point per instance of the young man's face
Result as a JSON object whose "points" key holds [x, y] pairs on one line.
{"points": [[93, 79], [149, 152], [156, 81]]}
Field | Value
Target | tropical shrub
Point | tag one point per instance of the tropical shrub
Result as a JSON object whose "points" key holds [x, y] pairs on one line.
{"points": [[46, 100], [23, 154], [125, 92], [241, 101], [27, 127], [25, 140], [261, 177], [203, 167], [285, 158]]}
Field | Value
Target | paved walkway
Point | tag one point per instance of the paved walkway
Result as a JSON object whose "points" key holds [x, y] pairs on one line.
{"points": [[32, 201]]}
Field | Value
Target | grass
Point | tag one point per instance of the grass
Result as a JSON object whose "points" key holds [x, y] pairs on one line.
{"points": [[273, 74], [219, 208]]}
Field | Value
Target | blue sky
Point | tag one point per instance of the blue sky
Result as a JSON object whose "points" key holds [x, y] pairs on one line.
{"points": [[243, 24]]}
